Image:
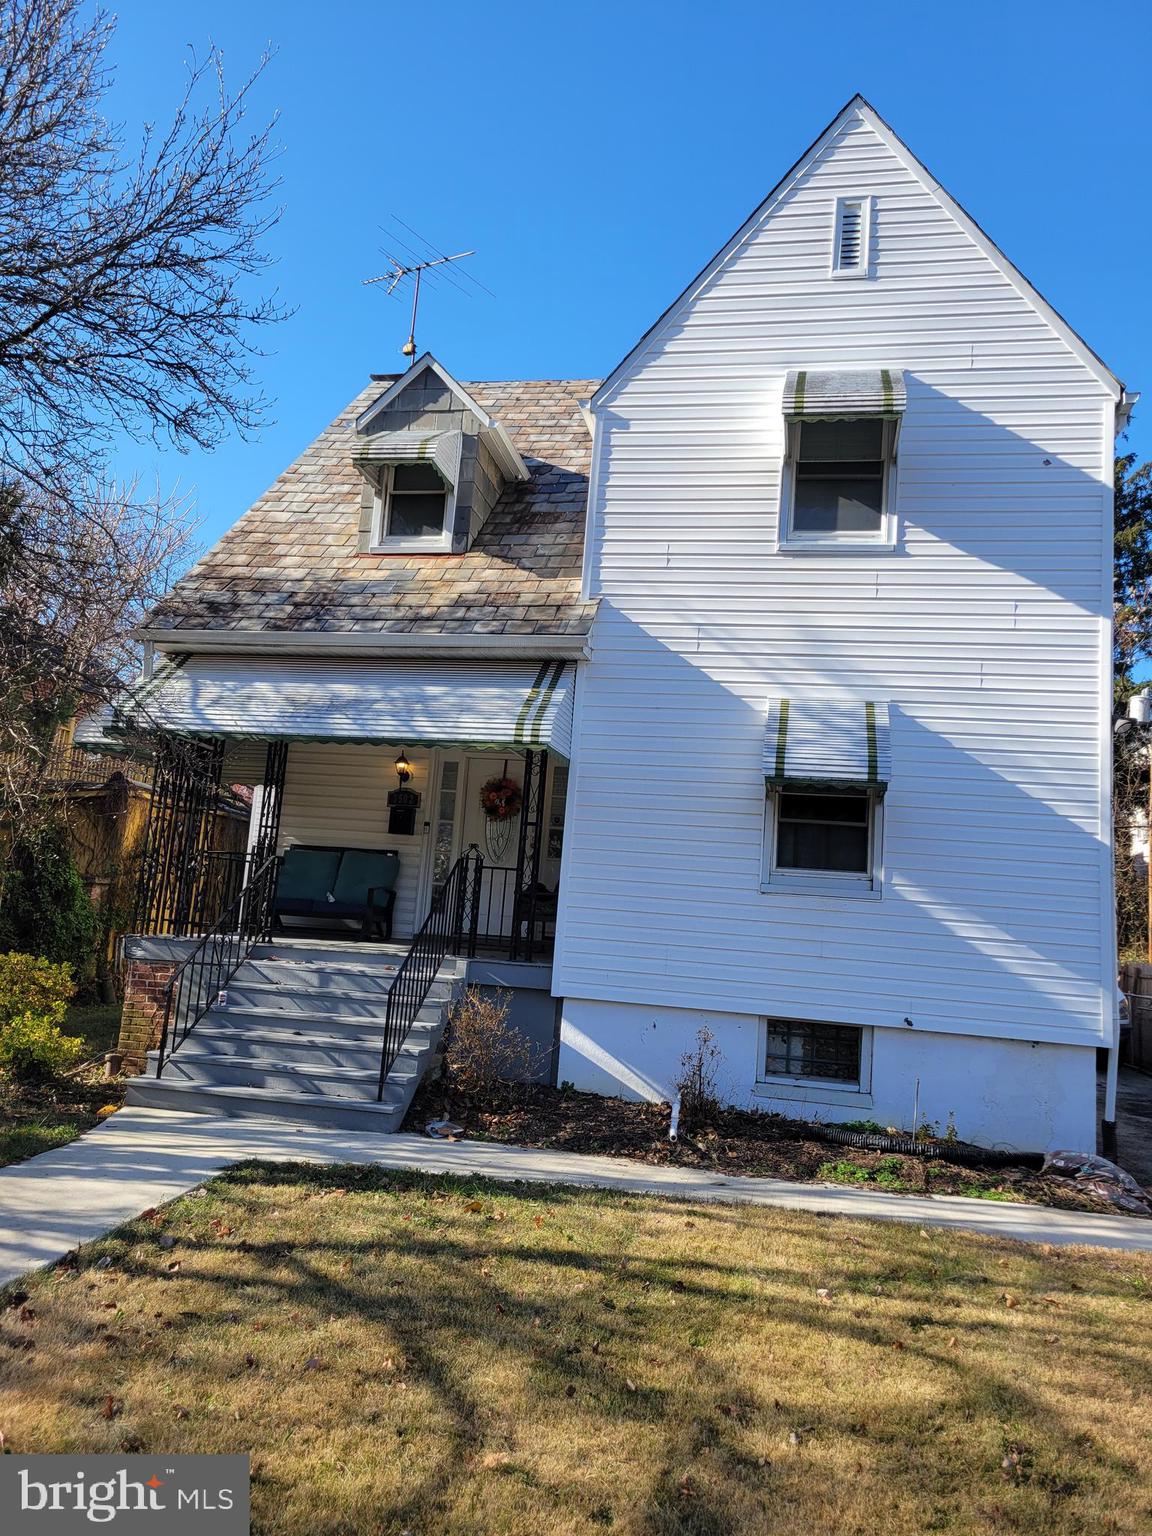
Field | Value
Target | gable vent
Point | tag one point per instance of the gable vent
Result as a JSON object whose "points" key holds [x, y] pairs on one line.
{"points": [[850, 255]]}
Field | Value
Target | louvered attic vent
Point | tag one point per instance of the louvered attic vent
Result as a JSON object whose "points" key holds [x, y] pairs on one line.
{"points": [[850, 253]]}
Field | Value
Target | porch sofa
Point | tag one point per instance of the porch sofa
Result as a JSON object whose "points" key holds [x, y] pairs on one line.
{"points": [[322, 884]]}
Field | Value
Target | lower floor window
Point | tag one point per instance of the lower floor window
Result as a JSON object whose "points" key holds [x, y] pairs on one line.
{"points": [[826, 1051]]}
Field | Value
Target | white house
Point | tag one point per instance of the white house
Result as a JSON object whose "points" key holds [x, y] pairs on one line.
{"points": [[806, 729], [859, 472]]}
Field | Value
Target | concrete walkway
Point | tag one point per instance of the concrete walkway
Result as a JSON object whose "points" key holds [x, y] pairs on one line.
{"points": [[140, 1158]]}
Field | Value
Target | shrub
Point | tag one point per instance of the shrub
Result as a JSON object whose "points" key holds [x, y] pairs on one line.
{"points": [[481, 1049], [45, 907], [32, 1049], [34, 996], [696, 1085]]}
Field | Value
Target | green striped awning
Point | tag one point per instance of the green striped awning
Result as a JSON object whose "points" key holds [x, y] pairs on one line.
{"points": [[827, 742], [475, 704], [810, 396]]}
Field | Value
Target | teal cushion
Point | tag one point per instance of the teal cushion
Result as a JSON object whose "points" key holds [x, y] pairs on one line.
{"points": [[362, 869], [308, 873]]}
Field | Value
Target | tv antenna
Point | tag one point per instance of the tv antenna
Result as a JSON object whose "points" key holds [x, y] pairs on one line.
{"points": [[396, 275]]}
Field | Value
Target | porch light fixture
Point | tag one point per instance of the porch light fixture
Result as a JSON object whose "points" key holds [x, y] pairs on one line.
{"points": [[403, 767]]}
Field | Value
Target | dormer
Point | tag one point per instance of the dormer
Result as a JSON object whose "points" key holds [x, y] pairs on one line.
{"points": [[433, 463]]}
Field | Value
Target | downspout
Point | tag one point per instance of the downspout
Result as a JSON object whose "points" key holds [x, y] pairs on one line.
{"points": [[1108, 1124]]}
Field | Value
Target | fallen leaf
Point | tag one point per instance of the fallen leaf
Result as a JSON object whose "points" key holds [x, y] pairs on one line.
{"points": [[569, 1390], [313, 1364], [686, 1487], [180, 1411], [1009, 1301], [825, 1295], [474, 1206], [629, 1383], [113, 1406]]}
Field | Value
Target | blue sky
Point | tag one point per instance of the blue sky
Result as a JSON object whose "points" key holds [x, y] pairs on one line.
{"points": [[597, 154]]}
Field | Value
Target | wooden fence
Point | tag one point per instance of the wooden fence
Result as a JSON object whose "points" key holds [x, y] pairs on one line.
{"points": [[1136, 981]]}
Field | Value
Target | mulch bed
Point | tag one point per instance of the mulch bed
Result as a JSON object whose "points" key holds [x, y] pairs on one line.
{"points": [[37, 1117], [735, 1142]]}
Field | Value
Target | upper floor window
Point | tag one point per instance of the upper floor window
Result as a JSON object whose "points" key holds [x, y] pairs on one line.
{"points": [[839, 485], [851, 237], [837, 488], [412, 506]]}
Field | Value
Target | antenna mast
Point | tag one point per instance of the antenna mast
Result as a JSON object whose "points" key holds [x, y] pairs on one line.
{"points": [[398, 273]]}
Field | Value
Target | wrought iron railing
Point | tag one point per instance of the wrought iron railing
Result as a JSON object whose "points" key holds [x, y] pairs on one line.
{"points": [[521, 924], [199, 980], [449, 928]]}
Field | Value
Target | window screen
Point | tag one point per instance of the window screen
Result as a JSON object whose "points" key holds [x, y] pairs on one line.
{"points": [[839, 476], [824, 832], [797, 1049], [415, 502]]}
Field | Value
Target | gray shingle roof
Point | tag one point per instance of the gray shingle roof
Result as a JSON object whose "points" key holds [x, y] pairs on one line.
{"points": [[291, 563]]}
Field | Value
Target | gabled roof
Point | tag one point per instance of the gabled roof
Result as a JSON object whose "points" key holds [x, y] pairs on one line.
{"points": [[860, 108], [501, 444], [290, 573]]}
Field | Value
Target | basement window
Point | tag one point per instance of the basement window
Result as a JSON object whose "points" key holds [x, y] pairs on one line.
{"points": [[800, 1051], [851, 237]]}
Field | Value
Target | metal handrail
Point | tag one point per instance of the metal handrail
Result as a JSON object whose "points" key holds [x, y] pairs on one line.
{"points": [[450, 926], [198, 980]]}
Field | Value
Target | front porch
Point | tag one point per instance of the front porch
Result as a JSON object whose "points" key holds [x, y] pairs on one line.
{"points": [[414, 803]]}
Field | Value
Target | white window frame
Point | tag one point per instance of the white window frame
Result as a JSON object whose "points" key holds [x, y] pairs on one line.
{"points": [[402, 544], [775, 881], [823, 1090], [864, 269], [884, 540]]}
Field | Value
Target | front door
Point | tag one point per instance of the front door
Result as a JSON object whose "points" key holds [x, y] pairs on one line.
{"points": [[497, 840]]}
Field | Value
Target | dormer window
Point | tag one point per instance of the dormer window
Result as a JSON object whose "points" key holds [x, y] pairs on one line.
{"points": [[413, 502], [434, 465]]}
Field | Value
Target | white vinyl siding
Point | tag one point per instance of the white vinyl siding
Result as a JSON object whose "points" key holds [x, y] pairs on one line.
{"points": [[988, 634]]}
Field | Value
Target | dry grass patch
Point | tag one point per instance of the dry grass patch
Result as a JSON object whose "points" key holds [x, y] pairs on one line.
{"points": [[443, 1356]]}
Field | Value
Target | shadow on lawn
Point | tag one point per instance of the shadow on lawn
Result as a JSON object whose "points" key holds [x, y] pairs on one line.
{"points": [[570, 1342]]}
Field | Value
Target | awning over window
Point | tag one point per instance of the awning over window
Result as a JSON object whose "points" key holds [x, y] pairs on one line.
{"points": [[440, 448], [810, 396], [828, 743], [500, 705]]}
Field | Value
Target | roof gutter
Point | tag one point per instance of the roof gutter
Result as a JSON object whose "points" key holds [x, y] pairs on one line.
{"points": [[256, 642]]}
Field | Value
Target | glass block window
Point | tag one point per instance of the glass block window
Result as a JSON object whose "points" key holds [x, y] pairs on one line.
{"points": [[799, 1049]]}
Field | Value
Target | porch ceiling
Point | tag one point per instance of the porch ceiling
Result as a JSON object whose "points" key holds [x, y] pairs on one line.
{"points": [[503, 705]]}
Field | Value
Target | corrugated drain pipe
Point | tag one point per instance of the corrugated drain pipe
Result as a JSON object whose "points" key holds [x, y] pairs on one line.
{"points": [[942, 1151]]}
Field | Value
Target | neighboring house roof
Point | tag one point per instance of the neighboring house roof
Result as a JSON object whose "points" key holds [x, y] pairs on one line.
{"points": [[862, 109], [291, 565]]}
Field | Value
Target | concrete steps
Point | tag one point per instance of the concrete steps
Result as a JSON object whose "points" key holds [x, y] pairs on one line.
{"points": [[297, 1035]]}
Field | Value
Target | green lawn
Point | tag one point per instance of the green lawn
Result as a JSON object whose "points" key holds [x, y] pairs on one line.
{"points": [[451, 1358], [35, 1118]]}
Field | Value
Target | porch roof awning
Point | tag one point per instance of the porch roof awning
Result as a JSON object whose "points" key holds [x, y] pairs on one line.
{"points": [[828, 743], [811, 396], [410, 447], [502, 705]]}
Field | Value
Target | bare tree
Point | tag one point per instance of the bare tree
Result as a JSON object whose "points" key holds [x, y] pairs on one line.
{"points": [[127, 299], [76, 576]]}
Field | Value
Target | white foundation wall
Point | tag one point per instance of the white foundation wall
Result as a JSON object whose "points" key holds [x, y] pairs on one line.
{"points": [[1002, 1093]]}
